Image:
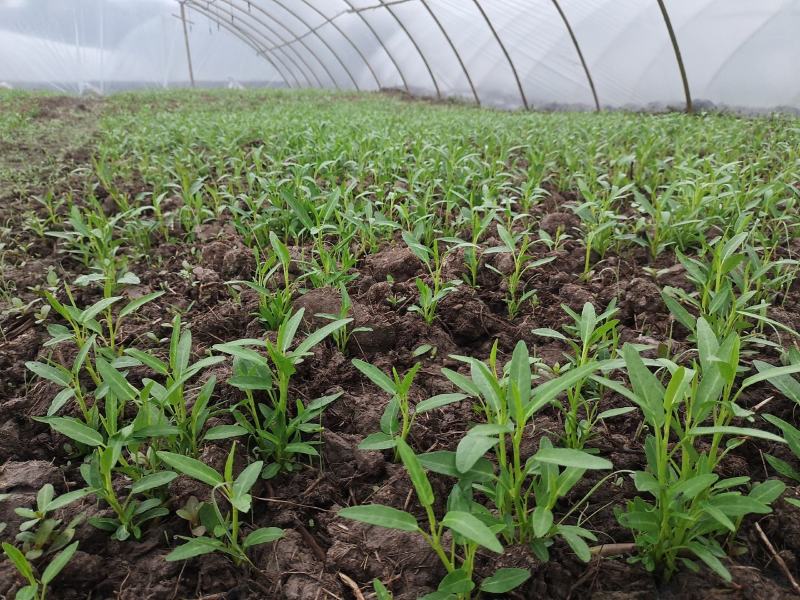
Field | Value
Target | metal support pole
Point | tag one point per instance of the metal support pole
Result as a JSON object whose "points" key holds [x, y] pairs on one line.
{"points": [[455, 51], [678, 57], [505, 52], [247, 39], [186, 42], [580, 54], [380, 41]]}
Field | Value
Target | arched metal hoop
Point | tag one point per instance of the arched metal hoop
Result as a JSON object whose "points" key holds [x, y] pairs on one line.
{"points": [[454, 49], [380, 41], [678, 57], [580, 54], [505, 52], [321, 39], [388, 7], [244, 37], [332, 21], [285, 51]]}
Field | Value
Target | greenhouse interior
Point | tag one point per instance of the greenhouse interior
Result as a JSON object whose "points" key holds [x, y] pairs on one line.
{"points": [[399, 299]]}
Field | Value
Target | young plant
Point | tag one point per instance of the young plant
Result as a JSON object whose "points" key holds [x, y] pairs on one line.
{"points": [[517, 246], [599, 218], [792, 436], [524, 492], [274, 305], [223, 529], [468, 531], [170, 398], [591, 337], [40, 533], [116, 453], [430, 295], [692, 507], [723, 294], [397, 417], [36, 589], [279, 435], [342, 336]]}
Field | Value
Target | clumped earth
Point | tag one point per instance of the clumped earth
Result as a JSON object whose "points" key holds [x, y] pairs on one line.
{"points": [[321, 555]]}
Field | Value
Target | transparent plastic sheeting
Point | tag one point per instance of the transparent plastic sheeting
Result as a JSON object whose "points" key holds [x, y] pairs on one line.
{"points": [[506, 53]]}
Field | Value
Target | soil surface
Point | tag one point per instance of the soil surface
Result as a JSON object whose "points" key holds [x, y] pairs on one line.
{"points": [[321, 554]]}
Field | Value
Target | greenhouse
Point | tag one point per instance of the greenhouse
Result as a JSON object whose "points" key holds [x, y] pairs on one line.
{"points": [[374, 299]]}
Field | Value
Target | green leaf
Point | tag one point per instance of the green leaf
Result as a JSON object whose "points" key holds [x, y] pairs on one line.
{"points": [[60, 400], [719, 516], [767, 491], [245, 354], [382, 516], [505, 580], [317, 336], [195, 547], [543, 394], [437, 401], [416, 473], [377, 441], [381, 593], [28, 592], [375, 375], [262, 536], [473, 529], [74, 429], [68, 498], [541, 520], [96, 308], [444, 463], [774, 373], [58, 563], [247, 478], [118, 385], [19, 560], [711, 561], [737, 431], [470, 449], [152, 481], [616, 412], [191, 467], [148, 360], [568, 457], [60, 376], [645, 385], [678, 311], [577, 543], [135, 304], [457, 581], [223, 432]]}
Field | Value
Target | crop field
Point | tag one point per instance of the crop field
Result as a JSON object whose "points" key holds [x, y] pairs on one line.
{"points": [[310, 345]]}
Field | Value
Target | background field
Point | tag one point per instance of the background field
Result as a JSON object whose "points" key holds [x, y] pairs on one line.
{"points": [[179, 189]]}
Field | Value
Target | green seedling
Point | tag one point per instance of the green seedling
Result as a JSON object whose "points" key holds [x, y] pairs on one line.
{"points": [[274, 305], [524, 491], [36, 588], [343, 336], [397, 417], [430, 295], [591, 337], [692, 506], [40, 534], [517, 246], [279, 435], [224, 532], [169, 400], [724, 295], [468, 531]]}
